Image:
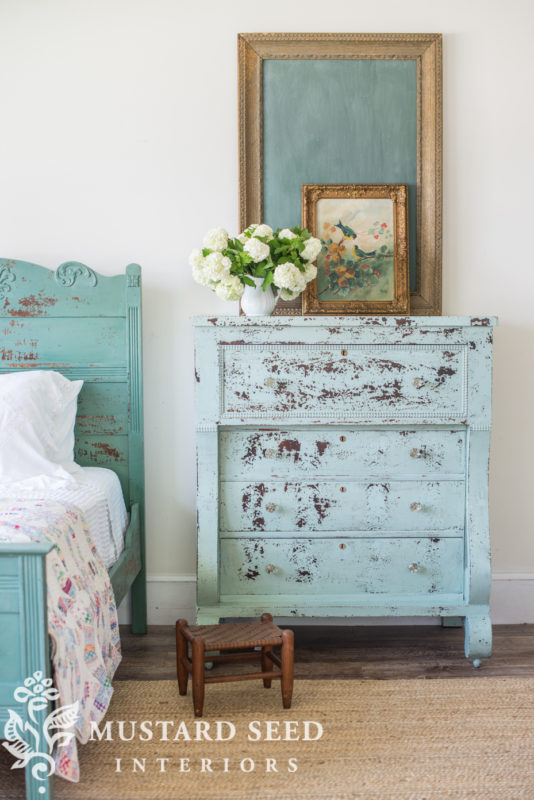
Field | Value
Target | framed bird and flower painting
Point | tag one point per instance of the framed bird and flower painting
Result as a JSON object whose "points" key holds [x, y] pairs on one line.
{"points": [[363, 264]]}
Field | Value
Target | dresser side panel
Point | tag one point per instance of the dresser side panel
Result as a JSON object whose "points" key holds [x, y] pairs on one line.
{"points": [[478, 564]]}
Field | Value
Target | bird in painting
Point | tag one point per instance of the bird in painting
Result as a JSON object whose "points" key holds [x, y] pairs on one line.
{"points": [[348, 233]]}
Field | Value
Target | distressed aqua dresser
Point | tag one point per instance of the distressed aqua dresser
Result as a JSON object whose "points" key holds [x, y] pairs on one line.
{"points": [[343, 468]]}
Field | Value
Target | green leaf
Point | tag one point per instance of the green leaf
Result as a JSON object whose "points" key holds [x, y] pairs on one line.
{"points": [[245, 258], [206, 251], [247, 280], [269, 278]]}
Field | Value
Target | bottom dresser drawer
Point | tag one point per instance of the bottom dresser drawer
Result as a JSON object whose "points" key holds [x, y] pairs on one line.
{"points": [[382, 566]]}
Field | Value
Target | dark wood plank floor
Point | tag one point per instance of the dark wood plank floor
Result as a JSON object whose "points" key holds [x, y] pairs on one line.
{"points": [[382, 653]]}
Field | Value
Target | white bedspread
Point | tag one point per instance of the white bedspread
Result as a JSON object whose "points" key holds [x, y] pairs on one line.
{"points": [[95, 491]]}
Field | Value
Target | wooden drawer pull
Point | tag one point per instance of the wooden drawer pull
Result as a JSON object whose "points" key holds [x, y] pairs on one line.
{"points": [[413, 567], [269, 382], [416, 507], [270, 507], [418, 383], [270, 568]]}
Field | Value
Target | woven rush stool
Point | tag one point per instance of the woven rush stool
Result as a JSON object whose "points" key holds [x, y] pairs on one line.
{"points": [[233, 636]]}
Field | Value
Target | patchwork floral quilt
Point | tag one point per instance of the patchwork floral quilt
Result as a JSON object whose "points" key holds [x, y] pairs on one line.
{"points": [[82, 615]]}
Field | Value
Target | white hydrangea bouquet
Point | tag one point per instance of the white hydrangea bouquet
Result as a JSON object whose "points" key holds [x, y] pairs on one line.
{"points": [[259, 258]]}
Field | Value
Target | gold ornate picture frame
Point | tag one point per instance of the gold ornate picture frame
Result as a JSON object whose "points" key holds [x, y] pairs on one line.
{"points": [[261, 55], [363, 264]]}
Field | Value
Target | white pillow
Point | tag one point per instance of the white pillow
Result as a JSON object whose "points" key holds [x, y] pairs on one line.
{"points": [[65, 417], [37, 415]]}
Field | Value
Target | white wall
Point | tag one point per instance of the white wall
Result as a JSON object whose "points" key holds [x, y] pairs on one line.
{"points": [[119, 143]]}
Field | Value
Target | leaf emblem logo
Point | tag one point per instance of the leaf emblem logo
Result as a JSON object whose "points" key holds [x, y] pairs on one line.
{"points": [[33, 738]]}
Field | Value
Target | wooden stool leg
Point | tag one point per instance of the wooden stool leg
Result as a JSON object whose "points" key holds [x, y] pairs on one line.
{"points": [[198, 676], [266, 665], [181, 653], [287, 667]]}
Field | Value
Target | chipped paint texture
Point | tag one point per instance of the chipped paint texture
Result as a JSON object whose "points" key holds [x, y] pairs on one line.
{"points": [[351, 473], [330, 505], [364, 567], [301, 381]]}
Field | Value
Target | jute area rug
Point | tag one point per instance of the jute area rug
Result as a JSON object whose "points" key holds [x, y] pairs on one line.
{"points": [[389, 740]]}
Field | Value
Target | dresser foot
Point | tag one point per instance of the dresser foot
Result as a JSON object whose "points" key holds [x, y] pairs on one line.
{"points": [[452, 622], [477, 638]]}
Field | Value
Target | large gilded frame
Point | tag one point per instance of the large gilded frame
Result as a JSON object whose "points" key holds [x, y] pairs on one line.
{"points": [[425, 49]]}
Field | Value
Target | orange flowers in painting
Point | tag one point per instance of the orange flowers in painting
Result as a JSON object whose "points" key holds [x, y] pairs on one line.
{"points": [[344, 274], [336, 251]]}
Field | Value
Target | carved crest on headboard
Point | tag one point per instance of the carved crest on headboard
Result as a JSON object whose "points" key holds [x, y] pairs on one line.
{"points": [[68, 273], [6, 279]]}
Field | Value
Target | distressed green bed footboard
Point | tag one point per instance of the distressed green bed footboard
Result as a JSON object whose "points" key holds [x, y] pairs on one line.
{"points": [[24, 645]]}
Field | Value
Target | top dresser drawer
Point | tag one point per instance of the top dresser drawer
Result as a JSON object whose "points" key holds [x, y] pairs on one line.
{"points": [[343, 382]]}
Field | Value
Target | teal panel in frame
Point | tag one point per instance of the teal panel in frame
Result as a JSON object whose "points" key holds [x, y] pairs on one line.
{"points": [[338, 121]]}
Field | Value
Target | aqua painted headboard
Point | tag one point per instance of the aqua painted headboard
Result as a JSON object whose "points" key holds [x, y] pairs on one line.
{"points": [[88, 326]]}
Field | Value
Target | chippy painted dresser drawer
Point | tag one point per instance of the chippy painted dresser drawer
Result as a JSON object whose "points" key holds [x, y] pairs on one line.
{"points": [[343, 468]]}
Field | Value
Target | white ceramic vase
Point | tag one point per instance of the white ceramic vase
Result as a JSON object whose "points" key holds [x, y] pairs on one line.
{"points": [[258, 303]]}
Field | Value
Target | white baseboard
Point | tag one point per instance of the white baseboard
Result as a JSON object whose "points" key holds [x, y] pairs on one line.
{"points": [[173, 596]]}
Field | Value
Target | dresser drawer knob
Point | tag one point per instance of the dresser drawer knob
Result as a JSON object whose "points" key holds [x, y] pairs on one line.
{"points": [[270, 568], [269, 381], [270, 453], [270, 507], [344, 352], [342, 488], [416, 507], [413, 567], [415, 452], [418, 383]]}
